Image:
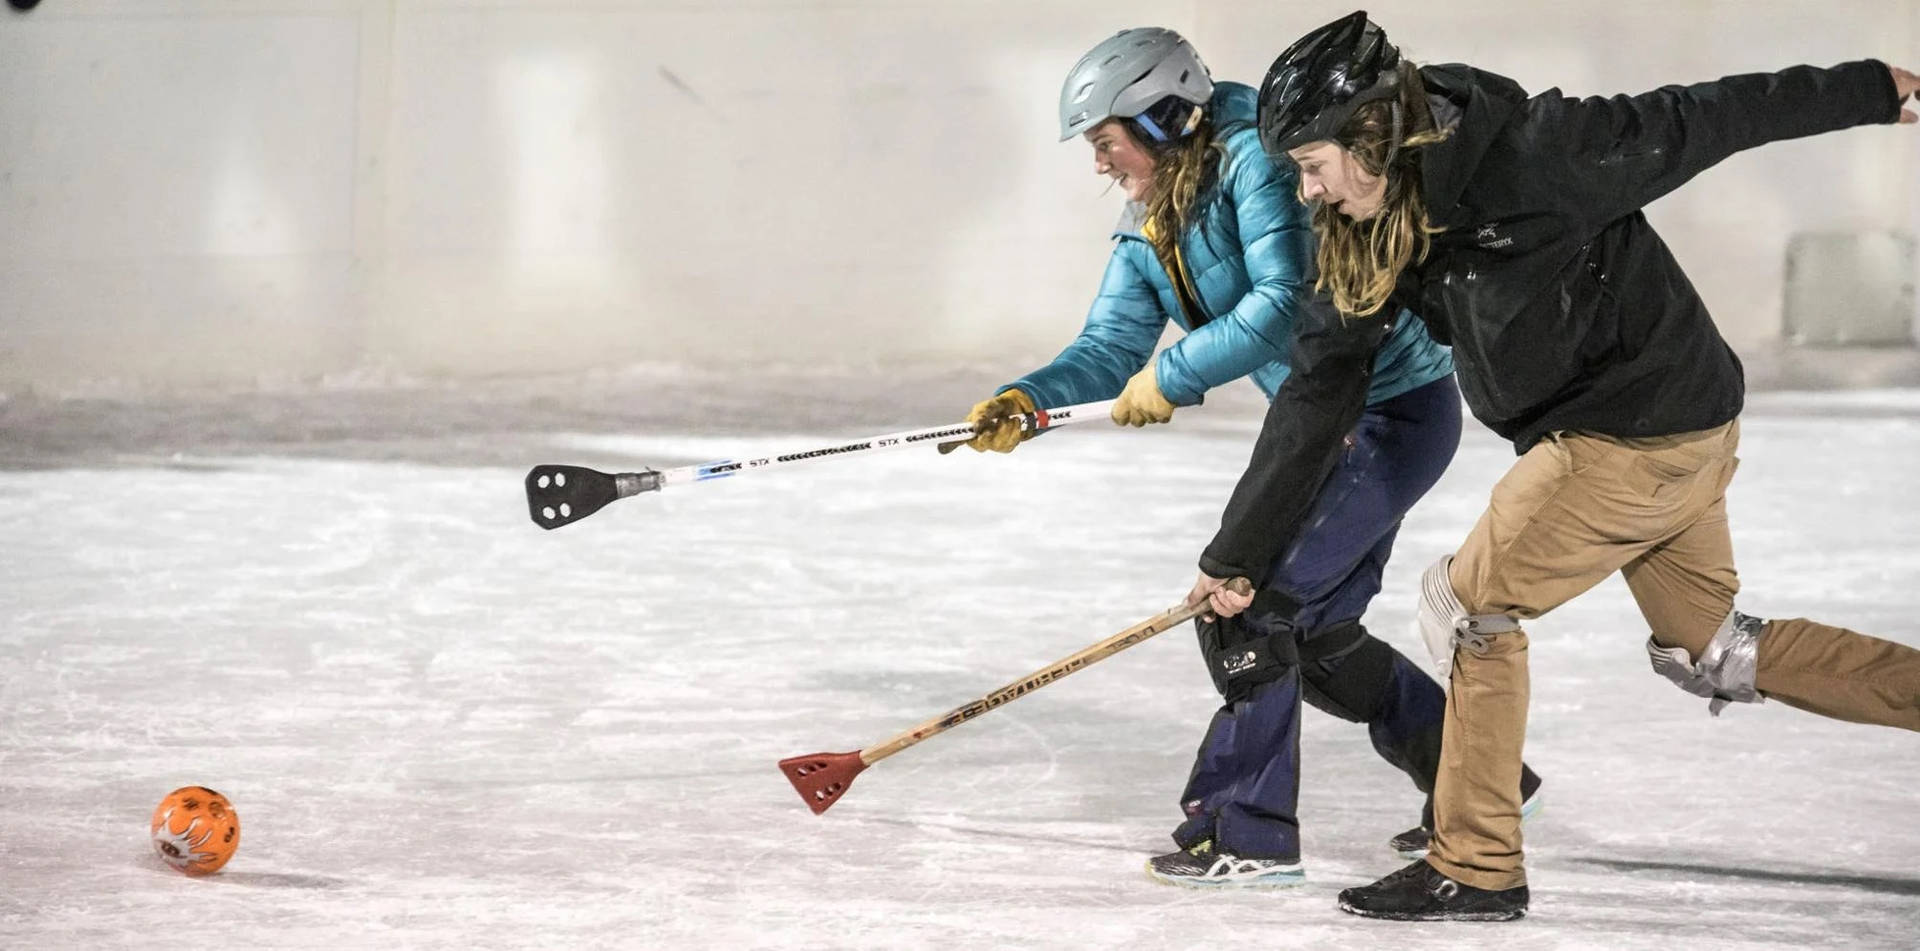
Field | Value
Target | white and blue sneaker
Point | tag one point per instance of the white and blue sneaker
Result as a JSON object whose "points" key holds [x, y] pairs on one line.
{"points": [[1412, 844], [1202, 867]]}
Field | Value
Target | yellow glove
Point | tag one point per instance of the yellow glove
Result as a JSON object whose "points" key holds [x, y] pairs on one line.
{"points": [[994, 424], [1141, 403]]}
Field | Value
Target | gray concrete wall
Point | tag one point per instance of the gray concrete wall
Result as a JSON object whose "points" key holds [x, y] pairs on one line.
{"points": [[245, 192]]}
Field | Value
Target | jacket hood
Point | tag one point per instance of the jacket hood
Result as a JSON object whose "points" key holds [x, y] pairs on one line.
{"points": [[1233, 103], [1487, 102]]}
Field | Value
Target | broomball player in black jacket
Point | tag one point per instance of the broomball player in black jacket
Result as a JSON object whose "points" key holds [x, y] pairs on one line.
{"points": [[1511, 225]]}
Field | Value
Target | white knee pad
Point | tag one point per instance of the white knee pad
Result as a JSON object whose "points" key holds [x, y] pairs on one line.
{"points": [[1445, 624], [1727, 666]]}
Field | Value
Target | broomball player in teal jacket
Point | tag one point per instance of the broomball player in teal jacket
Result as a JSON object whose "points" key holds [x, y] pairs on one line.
{"points": [[1215, 239]]}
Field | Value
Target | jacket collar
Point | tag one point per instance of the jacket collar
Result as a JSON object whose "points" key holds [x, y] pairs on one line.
{"points": [[1487, 102]]}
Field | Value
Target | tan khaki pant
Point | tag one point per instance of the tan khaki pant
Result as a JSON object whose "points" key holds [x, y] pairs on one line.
{"points": [[1572, 511]]}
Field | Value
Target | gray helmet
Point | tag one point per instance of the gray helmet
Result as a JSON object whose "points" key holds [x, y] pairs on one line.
{"points": [[1129, 73]]}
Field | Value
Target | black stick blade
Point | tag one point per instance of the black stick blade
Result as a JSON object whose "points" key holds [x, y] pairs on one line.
{"points": [[562, 495]]}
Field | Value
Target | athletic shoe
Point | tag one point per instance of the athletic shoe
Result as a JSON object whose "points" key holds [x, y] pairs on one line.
{"points": [[1202, 867]]}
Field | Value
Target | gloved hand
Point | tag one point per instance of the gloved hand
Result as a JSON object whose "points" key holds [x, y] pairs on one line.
{"points": [[994, 424], [1141, 403]]}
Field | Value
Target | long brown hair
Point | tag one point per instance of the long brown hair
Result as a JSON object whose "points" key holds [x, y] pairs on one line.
{"points": [[1182, 170], [1360, 260]]}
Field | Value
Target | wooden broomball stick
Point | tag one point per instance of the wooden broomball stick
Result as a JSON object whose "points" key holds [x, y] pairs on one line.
{"points": [[821, 778]]}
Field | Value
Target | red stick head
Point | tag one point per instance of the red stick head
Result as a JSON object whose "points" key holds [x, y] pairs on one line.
{"points": [[820, 778]]}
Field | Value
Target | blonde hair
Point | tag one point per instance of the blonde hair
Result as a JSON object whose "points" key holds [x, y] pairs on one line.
{"points": [[1360, 260], [1181, 170]]}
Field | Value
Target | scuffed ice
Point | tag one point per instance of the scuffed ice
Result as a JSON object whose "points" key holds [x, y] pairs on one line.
{"points": [[445, 728]]}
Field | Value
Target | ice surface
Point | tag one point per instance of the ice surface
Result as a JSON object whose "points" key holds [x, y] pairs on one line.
{"points": [[446, 728]]}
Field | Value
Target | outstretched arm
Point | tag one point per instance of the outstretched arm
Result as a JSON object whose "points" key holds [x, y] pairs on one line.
{"points": [[1122, 328], [1627, 151], [1300, 441]]}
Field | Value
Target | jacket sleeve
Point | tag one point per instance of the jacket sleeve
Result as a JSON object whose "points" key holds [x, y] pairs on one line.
{"points": [[1629, 150], [1123, 326], [1276, 245], [1300, 441]]}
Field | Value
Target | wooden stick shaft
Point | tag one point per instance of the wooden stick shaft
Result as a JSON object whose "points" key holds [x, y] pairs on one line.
{"points": [[1171, 617]]}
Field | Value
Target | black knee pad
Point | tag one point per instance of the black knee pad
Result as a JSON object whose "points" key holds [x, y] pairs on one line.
{"points": [[1240, 658], [1345, 671]]}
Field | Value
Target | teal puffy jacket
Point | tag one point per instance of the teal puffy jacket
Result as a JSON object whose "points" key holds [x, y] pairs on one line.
{"points": [[1249, 251]]}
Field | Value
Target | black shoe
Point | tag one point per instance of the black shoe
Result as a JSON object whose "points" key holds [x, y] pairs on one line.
{"points": [[1420, 892], [1413, 843]]}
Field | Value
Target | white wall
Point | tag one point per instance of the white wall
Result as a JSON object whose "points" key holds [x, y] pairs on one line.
{"points": [[244, 191]]}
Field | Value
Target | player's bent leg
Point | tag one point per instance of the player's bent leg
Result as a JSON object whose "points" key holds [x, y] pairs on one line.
{"points": [[1241, 801], [1839, 673]]}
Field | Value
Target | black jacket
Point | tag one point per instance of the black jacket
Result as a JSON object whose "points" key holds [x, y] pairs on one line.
{"points": [[1564, 309]]}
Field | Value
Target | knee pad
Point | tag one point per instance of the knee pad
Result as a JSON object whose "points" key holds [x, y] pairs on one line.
{"points": [[1727, 666], [1445, 624], [1240, 658], [1346, 672]]}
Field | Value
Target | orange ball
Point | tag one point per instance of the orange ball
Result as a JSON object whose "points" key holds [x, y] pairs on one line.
{"points": [[195, 830]]}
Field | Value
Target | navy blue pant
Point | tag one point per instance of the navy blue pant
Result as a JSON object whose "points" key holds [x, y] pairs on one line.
{"points": [[1244, 790]]}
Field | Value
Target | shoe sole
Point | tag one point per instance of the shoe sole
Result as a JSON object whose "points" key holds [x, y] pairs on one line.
{"points": [[1512, 915], [1288, 879], [1528, 810]]}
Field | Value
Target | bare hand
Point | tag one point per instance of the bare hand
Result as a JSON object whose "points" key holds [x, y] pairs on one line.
{"points": [[1905, 86], [1222, 600]]}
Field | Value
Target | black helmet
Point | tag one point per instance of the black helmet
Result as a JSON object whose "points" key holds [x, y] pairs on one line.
{"points": [[1316, 84]]}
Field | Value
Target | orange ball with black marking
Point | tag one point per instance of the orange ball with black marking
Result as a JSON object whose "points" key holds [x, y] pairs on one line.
{"points": [[195, 830]]}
